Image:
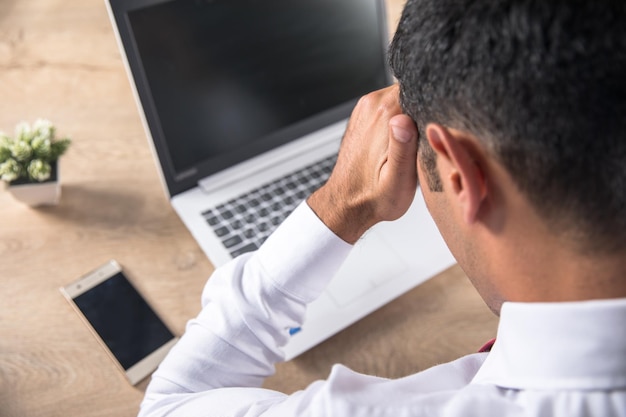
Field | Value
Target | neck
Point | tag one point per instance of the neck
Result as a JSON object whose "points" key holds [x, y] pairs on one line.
{"points": [[543, 267], [555, 274]]}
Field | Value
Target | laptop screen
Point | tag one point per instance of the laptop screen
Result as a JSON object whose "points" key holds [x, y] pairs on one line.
{"points": [[221, 81]]}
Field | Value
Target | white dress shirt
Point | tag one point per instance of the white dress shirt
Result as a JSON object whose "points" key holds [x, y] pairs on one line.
{"points": [[550, 359]]}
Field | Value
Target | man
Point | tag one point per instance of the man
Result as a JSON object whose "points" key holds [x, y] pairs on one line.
{"points": [[521, 111]]}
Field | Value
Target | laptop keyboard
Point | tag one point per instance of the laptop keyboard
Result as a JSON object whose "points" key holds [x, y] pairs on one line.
{"points": [[243, 223]]}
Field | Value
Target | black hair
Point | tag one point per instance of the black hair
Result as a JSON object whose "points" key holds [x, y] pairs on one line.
{"points": [[542, 83]]}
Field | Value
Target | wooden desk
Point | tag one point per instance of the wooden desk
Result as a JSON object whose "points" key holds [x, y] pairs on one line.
{"points": [[59, 60]]}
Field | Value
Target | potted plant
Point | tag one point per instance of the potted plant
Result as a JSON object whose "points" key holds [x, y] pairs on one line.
{"points": [[29, 162]]}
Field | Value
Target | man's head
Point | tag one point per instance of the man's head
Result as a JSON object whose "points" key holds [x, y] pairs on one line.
{"points": [[542, 86]]}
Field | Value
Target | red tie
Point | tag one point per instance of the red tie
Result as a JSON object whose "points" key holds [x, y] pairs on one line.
{"points": [[487, 346]]}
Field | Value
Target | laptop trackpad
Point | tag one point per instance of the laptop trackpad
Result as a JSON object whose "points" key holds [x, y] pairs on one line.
{"points": [[371, 263]]}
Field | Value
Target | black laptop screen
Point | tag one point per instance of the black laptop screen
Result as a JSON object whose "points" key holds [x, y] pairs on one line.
{"points": [[223, 80]]}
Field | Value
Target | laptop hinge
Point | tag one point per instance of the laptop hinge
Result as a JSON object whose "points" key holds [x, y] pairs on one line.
{"points": [[272, 158]]}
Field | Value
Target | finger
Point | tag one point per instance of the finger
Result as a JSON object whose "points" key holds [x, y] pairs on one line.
{"points": [[402, 145], [398, 177]]}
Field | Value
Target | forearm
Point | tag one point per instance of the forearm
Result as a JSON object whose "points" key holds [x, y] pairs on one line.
{"points": [[248, 307]]}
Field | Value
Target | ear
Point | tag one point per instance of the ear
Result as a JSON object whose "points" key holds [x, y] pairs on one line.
{"points": [[463, 174]]}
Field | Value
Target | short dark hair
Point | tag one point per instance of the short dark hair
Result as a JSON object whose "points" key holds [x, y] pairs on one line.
{"points": [[542, 83]]}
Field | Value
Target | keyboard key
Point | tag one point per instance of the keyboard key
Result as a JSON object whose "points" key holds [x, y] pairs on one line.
{"points": [[227, 214], [221, 231], [232, 241], [212, 221], [248, 248]]}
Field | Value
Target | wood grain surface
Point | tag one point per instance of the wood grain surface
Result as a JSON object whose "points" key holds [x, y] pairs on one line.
{"points": [[59, 60]]}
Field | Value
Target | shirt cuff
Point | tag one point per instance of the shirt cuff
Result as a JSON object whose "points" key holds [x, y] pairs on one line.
{"points": [[303, 254]]}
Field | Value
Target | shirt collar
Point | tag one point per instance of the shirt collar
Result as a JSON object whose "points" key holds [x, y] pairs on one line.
{"points": [[571, 345]]}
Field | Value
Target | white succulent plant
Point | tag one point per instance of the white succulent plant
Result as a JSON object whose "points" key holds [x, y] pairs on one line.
{"points": [[29, 154]]}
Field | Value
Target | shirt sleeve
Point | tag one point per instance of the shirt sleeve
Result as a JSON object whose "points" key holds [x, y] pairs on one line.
{"points": [[248, 307]]}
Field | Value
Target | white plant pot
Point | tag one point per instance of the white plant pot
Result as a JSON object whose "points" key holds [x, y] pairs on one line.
{"points": [[35, 194]]}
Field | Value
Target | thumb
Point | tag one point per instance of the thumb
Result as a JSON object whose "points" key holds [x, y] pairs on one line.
{"points": [[399, 174], [402, 153]]}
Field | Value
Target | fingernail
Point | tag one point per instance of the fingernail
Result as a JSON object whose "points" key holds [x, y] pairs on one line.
{"points": [[401, 134]]}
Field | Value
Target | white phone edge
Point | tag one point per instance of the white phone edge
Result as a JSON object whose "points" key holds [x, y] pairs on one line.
{"points": [[145, 366]]}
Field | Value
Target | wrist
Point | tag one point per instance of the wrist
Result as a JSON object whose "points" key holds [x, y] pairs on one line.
{"points": [[349, 220]]}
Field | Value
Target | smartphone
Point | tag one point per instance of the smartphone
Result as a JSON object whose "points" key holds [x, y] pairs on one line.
{"points": [[121, 320]]}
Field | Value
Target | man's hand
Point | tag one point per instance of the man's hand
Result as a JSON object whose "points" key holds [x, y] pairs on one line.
{"points": [[375, 178]]}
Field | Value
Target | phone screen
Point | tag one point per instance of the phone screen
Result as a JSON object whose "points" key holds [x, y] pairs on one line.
{"points": [[123, 319]]}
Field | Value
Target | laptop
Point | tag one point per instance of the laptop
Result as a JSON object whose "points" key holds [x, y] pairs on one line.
{"points": [[245, 103]]}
